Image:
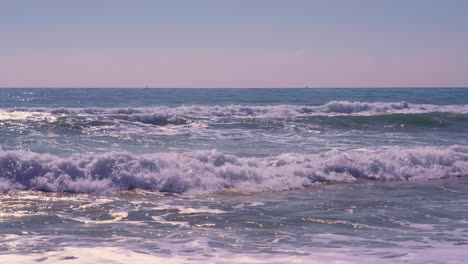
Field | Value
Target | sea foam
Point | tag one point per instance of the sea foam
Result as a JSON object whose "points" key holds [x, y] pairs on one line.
{"points": [[211, 171], [331, 108]]}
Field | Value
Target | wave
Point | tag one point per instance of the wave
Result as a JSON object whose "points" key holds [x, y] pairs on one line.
{"points": [[425, 120], [183, 120], [148, 114], [211, 171]]}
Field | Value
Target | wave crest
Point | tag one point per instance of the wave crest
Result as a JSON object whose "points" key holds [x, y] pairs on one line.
{"points": [[211, 171], [259, 111], [346, 107]]}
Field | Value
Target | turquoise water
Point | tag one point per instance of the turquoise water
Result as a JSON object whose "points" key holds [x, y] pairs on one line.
{"points": [[234, 175]]}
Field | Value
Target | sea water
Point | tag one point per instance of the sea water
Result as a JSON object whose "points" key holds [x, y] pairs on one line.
{"points": [[234, 175]]}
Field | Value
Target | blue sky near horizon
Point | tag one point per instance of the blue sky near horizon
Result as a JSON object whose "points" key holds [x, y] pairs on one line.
{"points": [[256, 43]]}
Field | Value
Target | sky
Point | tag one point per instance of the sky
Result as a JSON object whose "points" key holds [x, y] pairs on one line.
{"points": [[234, 43]]}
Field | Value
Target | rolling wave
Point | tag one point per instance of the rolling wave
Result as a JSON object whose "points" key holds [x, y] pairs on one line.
{"points": [[212, 171], [425, 120], [332, 108], [335, 115], [203, 120]]}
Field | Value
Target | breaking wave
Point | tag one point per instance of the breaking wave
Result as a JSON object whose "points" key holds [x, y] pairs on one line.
{"points": [[335, 114], [169, 114], [211, 171]]}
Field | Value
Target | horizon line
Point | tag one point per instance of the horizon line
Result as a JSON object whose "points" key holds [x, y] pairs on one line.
{"points": [[304, 87]]}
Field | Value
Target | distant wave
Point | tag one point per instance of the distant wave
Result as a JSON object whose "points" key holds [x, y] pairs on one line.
{"points": [[211, 171], [187, 119], [155, 114]]}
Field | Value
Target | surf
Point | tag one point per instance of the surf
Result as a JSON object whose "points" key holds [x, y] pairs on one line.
{"points": [[212, 171]]}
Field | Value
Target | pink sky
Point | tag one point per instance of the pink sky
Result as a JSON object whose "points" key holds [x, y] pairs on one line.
{"points": [[287, 69], [210, 43]]}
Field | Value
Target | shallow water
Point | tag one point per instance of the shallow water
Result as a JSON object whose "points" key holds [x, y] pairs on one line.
{"points": [[422, 222], [242, 175]]}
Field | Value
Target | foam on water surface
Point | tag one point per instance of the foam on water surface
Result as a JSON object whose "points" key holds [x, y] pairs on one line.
{"points": [[212, 171], [306, 226], [250, 176], [166, 115]]}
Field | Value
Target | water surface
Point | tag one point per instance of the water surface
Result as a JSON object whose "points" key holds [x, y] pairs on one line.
{"points": [[234, 175]]}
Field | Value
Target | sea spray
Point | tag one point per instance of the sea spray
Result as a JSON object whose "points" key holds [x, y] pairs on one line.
{"points": [[211, 171]]}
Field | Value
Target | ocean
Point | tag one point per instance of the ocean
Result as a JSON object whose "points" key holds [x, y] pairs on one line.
{"points": [[234, 175]]}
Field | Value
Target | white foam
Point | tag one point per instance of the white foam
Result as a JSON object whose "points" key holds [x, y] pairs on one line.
{"points": [[105, 254], [163, 115], [162, 220], [211, 171], [26, 115]]}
